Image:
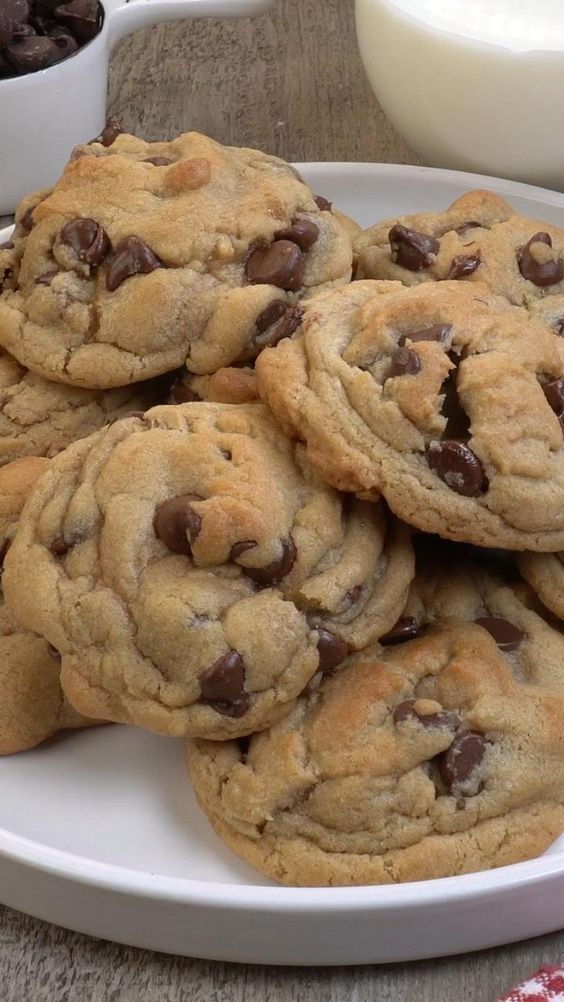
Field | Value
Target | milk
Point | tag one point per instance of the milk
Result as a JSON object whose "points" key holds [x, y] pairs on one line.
{"points": [[475, 85]]}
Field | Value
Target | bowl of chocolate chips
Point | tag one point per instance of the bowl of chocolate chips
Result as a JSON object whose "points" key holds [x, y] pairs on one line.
{"points": [[53, 76]]}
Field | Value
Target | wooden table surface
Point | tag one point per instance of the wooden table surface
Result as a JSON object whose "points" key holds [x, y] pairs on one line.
{"points": [[291, 83]]}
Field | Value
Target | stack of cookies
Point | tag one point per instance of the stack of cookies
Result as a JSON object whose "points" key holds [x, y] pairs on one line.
{"points": [[294, 494]]}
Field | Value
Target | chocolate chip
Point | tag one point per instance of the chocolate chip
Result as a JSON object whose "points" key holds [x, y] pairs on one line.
{"points": [[281, 264], [273, 573], [544, 273], [109, 133], [53, 652], [27, 222], [176, 523], [238, 548], [458, 466], [289, 323], [554, 393], [88, 239], [412, 250], [32, 53], [332, 651], [131, 257], [462, 266], [507, 636], [443, 718], [46, 278], [7, 245], [59, 547], [180, 393], [273, 312], [323, 203], [65, 43], [81, 17], [405, 362], [470, 225], [406, 628], [158, 161], [459, 766], [439, 333], [302, 232], [222, 685]]}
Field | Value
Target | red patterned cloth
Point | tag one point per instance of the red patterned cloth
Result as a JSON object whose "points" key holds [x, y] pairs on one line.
{"points": [[547, 985]]}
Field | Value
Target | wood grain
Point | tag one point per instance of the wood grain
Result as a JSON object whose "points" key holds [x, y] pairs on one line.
{"points": [[289, 82]]}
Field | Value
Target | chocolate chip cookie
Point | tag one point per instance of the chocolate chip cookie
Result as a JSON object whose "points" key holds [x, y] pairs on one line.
{"points": [[32, 706], [196, 575], [149, 255], [425, 760], [39, 417], [443, 397]]}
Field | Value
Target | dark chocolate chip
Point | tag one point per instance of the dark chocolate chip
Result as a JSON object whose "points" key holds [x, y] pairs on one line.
{"points": [[176, 523], [281, 264], [88, 239], [470, 225], [180, 393], [238, 548], [464, 265], [158, 161], [59, 547], [65, 43], [406, 628], [222, 685], [323, 203], [458, 466], [81, 17], [445, 719], [554, 393], [46, 278], [131, 257], [32, 53], [273, 312], [7, 245], [405, 362], [332, 651], [439, 333], [302, 232], [53, 652], [507, 636], [273, 573], [412, 250], [459, 766], [540, 274], [109, 133], [289, 323]]}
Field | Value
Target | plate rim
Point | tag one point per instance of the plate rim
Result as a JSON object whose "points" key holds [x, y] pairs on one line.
{"points": [[275, 898]]}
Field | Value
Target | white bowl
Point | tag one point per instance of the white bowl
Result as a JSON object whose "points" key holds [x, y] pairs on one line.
{"points": [[100, 830], [467, 102], [44, 115]]}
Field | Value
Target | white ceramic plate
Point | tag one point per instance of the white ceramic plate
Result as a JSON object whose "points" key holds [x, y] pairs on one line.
{"points": [[100, 832]]}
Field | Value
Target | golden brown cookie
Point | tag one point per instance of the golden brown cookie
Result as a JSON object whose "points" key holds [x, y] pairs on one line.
{"points": [[429, 759], [195, 574], [39, 417], [479, 238], [442, 397], [149, 255], [32, 705]]}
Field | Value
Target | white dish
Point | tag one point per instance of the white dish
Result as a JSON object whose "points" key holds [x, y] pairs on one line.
{"points": [[100, 832]]}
